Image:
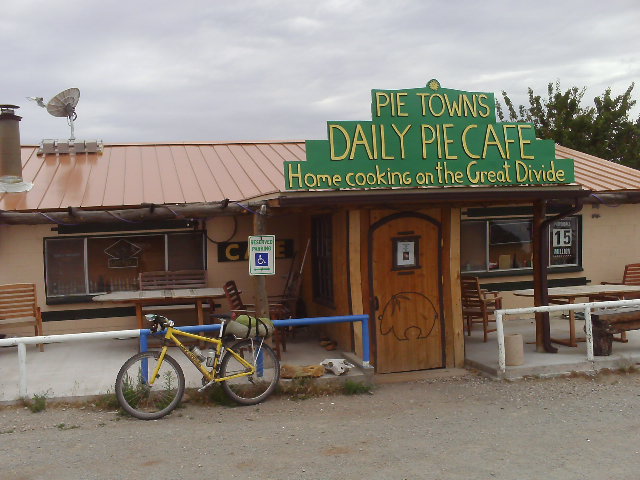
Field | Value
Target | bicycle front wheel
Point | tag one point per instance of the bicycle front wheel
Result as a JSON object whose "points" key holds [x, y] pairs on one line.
{"points": [[143, 397], [250, 389]]}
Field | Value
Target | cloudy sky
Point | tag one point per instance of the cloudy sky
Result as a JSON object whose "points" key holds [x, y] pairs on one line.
{"points": [[157, 71]]}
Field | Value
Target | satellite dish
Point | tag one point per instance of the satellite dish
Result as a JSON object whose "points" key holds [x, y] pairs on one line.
{"points": [[64, 105]]}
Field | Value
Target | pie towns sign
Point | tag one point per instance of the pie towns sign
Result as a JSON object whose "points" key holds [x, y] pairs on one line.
{"points": [[429, 136]]}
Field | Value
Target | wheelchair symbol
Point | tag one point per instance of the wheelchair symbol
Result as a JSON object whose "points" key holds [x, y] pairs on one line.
{"points": [[262, 259]]}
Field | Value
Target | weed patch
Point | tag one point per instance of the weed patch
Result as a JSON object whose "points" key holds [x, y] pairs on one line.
{"points": [[63, 426], [626, 365], [211, 396], [356, 388], [38, 402], [302, 388], [108, 401]]}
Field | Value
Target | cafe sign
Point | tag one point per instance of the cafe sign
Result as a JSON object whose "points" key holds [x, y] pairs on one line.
{"points": [[424, 137]]}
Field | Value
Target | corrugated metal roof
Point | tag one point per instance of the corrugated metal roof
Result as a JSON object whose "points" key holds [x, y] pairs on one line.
{"points": [[125, 175], [128, 175], [599, 175]]}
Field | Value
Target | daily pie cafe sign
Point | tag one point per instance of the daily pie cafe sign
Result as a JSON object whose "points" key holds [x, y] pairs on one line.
{"points": [[429, 136]]}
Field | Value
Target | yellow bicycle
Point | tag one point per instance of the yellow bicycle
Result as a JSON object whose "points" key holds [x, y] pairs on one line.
{"points": [[151, 384]]}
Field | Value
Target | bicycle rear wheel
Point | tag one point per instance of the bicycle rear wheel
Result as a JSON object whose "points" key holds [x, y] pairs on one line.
{"points": [[250, 389], [148, 401]]}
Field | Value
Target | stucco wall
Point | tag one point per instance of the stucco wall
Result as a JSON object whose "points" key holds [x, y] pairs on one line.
{"points": [[220, 230], [22, 260], [21, 254], [610, 240]]}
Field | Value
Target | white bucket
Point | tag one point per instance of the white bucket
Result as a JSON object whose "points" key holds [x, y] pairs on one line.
{"points": [[514, 349]]}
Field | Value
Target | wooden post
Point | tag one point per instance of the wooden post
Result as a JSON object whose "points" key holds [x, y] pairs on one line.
{"points": [[539, 209], [452, 293], [355, 277], [540, 283], [259, 281]]}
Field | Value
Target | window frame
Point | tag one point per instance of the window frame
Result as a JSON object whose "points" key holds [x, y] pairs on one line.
{"points": [[322, 259], [87, 295], [527, 270]]}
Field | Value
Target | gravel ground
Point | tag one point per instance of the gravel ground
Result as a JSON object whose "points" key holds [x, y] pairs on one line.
{"points": [[452, 428]]}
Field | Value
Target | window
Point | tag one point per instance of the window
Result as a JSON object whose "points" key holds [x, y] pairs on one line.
{"points": [[501, 245], [321, 234], [83, 266]]}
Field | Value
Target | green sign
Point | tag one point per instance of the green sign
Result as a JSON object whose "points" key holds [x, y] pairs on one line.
{"points": [[429, 136], [262, 258]]}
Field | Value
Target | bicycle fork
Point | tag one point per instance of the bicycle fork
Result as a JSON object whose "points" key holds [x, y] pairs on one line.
{"points": [[156, 370]]}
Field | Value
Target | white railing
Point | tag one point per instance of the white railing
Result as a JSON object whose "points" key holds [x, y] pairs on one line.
{"points": [[585, 307], [22, 342]]}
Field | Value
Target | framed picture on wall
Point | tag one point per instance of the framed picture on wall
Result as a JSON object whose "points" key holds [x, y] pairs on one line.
{"points": [[406, 253]]}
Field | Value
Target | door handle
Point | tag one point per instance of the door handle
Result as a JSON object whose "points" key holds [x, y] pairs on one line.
{"points": [[376, 303]]}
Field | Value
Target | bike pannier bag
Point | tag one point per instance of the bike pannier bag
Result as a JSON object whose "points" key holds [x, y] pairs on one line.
{"points": [[246, 326]]}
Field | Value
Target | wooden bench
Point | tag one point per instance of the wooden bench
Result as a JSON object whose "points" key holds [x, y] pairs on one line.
{"points": [[606, 323], [631, 276], [19, 306], [173, 280]]}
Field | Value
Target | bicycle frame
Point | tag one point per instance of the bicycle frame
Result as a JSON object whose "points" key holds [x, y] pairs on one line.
{"points": [[210, 373]]}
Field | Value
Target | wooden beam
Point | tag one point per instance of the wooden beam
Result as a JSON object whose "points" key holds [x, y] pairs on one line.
{"points": [[540, 283], [452, 294], [355, 277], [143, 213], [259, 281], [539, 210]]}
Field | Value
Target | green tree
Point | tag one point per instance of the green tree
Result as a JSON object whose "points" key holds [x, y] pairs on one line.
{"points": [[605, 130]]}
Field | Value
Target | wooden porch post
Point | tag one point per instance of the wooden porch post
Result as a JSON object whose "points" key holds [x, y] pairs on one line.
{"points": [[540, 284], [259, 281]]}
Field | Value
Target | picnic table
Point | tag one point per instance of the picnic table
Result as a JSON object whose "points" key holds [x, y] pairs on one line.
{"points": [[179, 296], [569, 295]]}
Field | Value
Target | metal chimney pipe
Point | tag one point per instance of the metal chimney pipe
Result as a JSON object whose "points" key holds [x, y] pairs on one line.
{"points": [[10, 162]]}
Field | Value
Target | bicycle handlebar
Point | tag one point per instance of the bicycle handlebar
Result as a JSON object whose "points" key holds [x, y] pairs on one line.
{"points": [[159, 322]]}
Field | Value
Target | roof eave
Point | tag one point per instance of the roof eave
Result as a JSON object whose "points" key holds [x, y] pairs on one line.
{"points": [[446, 195]]}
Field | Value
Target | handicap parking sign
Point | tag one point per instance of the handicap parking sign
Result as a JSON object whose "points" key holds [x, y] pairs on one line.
{"points": [[262, 249], [262, 259]]}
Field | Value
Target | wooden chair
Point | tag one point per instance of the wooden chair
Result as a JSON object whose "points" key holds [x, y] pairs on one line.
{"points": [[478, 304], [290, 297], [290, 300], [19, 306], [277, 311], [631, 275]]}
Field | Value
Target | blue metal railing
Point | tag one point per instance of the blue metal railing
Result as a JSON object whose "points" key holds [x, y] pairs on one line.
{"points": [[291, 322]]}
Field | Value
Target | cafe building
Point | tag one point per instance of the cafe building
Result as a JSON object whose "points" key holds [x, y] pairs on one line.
{"points": [[381, 218]]}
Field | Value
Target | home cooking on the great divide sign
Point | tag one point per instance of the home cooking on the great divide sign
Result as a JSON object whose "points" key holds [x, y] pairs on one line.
{"points": [[429, 136]]}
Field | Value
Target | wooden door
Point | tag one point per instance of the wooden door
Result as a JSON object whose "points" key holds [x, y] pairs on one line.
{"points": [[406, 291]]}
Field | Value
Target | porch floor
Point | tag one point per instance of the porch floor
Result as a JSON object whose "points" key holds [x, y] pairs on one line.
{"points": [[484, 356], [84, 369]]}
